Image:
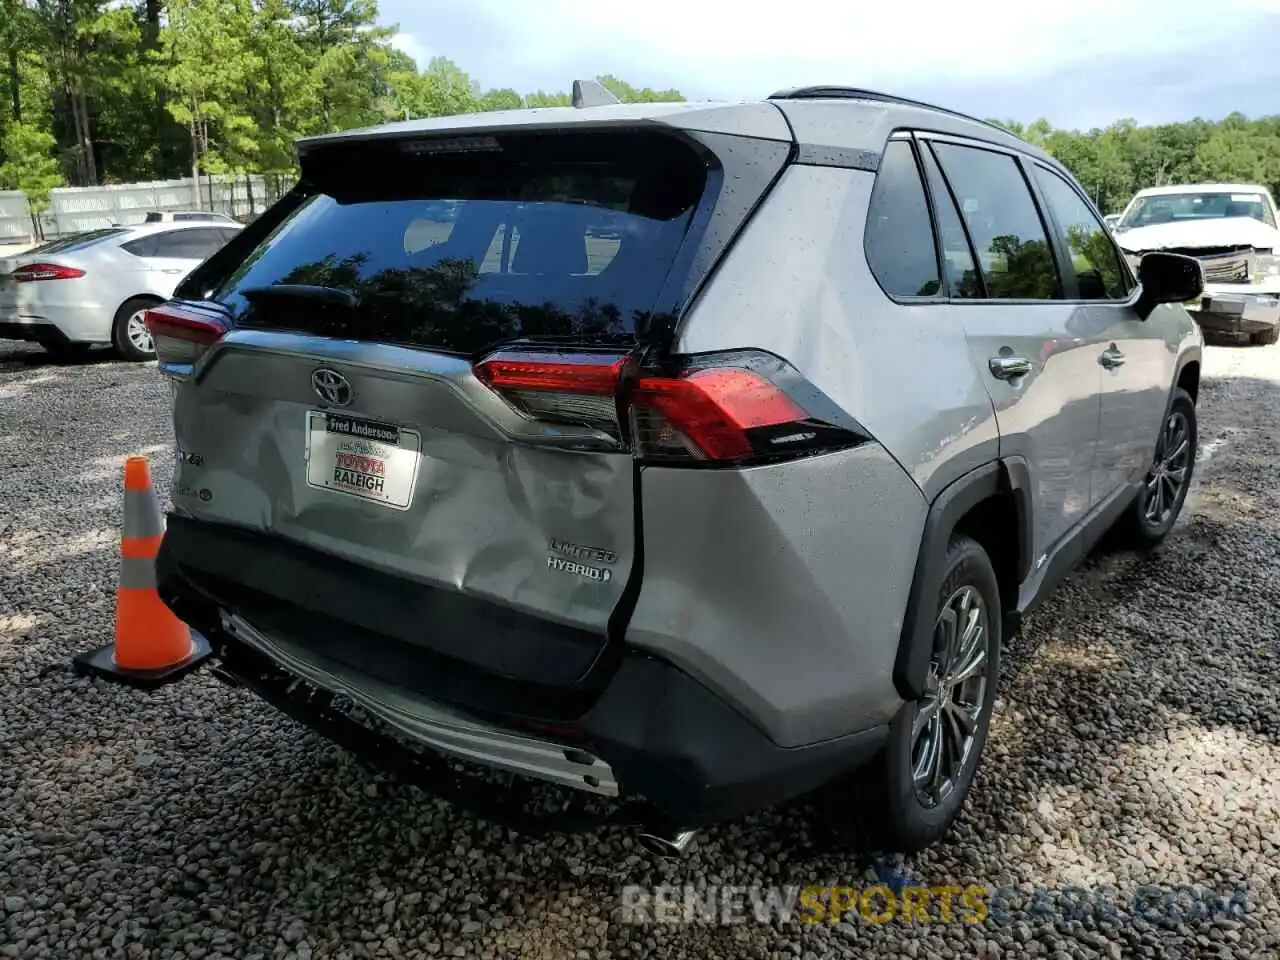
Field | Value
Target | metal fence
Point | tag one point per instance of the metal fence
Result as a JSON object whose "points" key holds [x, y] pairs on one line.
{"points": [[73, 209]]}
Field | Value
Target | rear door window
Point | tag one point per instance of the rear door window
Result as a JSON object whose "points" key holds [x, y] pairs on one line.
{"points": [[1009, 238], [195, 244], [565, 236]]}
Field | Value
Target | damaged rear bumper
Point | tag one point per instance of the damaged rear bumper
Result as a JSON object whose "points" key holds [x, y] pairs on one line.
{"points": [[651, 737]]}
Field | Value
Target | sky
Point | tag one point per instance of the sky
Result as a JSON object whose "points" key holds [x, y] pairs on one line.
{"points": [[1079, 64]]}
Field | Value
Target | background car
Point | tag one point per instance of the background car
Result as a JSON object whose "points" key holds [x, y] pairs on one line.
{"points": [[1233, 229], [94, 287]]}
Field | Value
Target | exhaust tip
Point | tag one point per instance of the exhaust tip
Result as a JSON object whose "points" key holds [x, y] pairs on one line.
{"points": [[669, 847]]}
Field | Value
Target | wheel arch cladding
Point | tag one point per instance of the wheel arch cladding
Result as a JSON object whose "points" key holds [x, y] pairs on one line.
{"points": [[1189, 379], [991, 504]]}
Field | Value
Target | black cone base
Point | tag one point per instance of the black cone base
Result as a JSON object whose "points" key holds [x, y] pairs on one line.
{"points": [[98, 663]]}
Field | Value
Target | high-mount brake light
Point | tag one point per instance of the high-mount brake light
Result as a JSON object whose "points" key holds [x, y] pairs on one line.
{"points": [[181, 337], [716, 410], [33, 272]]}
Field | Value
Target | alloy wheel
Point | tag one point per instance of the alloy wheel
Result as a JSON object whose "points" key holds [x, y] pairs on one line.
{"points": [[947, 717], [1168, 474], [138, 334]]}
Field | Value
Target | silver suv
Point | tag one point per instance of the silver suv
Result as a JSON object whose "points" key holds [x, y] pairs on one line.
{"points": [[696, 455]]}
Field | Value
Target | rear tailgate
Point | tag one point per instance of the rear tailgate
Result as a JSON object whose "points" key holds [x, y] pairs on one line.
{"points": [[346, 410]]}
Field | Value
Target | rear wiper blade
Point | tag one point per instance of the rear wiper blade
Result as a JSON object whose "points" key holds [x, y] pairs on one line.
{"points": [[303, 291]]}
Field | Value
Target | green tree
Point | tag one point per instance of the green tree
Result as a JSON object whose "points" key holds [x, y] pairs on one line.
{"points": [[17, 32], [543, 99], [1232, 153], [629, 94], [29, 166], [283, 94], [504, 99], [351, 61], [206, 44], [442, 89], [148, 89]]}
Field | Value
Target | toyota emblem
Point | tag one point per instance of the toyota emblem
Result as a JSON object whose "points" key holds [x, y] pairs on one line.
{"points": [[331, 387]]}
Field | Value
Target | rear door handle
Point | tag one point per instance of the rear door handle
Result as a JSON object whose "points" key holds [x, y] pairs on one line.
{"points": [[1009, 368], [1111, 358]]}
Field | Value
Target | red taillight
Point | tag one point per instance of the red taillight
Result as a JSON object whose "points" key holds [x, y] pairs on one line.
{"points": [[33, 272], [553, 372], [181, 336], [711, 409], [571, 388], [719, 410]]}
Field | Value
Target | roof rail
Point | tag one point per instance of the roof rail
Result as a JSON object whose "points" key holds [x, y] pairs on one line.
{"points": [[855, 93], [589, 93]]}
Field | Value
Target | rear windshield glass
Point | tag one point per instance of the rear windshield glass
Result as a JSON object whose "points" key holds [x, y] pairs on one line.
{"points": [[77, 241], [557, 236]]}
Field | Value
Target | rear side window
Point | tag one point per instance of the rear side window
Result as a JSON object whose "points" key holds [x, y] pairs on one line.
{"points": [[1094, 258], [563, 236], [996, 203], [195, 244], [142, 247], [899, 240]]}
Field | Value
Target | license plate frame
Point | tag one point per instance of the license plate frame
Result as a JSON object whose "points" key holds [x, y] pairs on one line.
{"points": [[360, 457]]}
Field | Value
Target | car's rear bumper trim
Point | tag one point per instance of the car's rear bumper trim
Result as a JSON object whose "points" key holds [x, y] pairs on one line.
{"points": [[41, 332], [435, 725], [664, 737]]}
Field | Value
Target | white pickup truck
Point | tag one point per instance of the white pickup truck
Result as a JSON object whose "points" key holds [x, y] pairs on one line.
{"points": [[1233, 229]]}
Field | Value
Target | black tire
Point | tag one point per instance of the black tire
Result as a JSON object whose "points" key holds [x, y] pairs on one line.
{"points": [[120, 339], [1136, 529], [879, 807], [1267, 337]]}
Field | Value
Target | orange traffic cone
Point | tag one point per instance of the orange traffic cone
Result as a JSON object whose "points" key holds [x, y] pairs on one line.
{"points": [[152, 646]]}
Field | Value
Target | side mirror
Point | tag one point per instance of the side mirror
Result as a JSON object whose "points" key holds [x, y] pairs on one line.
{"points": [[1167, 278]]}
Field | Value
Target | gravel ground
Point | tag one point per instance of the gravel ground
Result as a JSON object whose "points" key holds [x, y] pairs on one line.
{"points": [[1136, 741]]}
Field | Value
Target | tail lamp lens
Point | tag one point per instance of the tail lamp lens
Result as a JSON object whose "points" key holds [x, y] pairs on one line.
{"points": [[720, 410], [181, 336], [34, 272]]}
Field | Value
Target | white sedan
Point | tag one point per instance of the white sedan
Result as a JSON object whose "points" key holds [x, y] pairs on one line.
{"points": [[95, 287]]}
